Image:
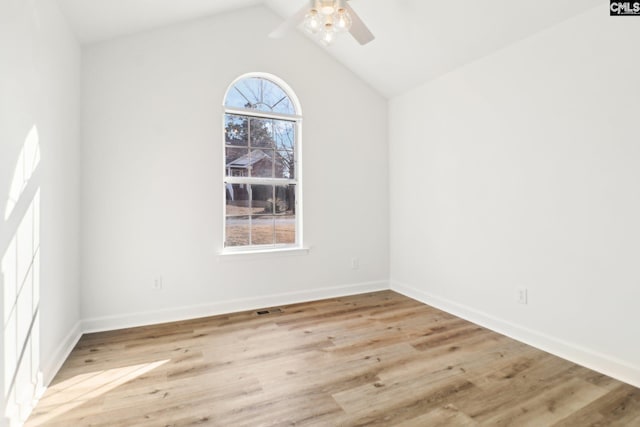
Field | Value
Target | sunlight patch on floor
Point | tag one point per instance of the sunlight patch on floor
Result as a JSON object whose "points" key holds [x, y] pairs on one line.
{"points": [[82, 388]]}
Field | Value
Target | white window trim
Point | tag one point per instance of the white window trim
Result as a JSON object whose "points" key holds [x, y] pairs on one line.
{"points": [[296, 248], [231, 255]]}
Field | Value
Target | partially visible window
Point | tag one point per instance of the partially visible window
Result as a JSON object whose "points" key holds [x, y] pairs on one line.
{"points": [[261, 163]]}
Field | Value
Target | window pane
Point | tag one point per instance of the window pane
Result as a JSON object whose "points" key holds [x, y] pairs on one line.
{"points": [[236, 130], [285, 199], [261, 134], [285, 229], [262, 230], [259, 94], [262, 163], [284, 134], [237, 162], [285, 223], [237, 231], [284, 164], [262, 202], [237, 199]]}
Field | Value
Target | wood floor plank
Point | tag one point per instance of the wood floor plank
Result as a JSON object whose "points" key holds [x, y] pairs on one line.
{"points": [[373, 359], [620, 406], [551, 406], [447, 415]]}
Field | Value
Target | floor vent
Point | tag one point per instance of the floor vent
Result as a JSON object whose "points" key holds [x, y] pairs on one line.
{"points": [[269, 311]]}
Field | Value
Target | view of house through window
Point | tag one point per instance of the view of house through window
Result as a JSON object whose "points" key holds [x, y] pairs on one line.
{"points": [[261, 127]]}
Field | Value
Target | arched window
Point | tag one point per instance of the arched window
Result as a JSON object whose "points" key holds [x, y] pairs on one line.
{"points": [[262, 123]]}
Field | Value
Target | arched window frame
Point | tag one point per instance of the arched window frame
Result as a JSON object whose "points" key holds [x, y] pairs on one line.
{"points": [[296, 181]]}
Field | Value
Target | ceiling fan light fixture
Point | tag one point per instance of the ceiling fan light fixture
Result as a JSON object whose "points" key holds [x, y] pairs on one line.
{"points": [[325, 18], [342, 19]]}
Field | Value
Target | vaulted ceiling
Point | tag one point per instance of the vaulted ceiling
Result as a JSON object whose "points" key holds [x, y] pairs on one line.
{"points": [[416, 40]]}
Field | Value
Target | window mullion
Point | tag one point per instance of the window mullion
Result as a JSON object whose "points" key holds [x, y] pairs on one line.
{"points": [[250, 215], [262, 114], [250, 171], [258, 180]]}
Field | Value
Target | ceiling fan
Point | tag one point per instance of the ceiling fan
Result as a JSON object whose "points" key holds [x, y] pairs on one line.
{"points": [[324, 19]]}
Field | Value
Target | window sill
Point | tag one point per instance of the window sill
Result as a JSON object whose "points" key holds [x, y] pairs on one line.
{"points": [[227, 255]]}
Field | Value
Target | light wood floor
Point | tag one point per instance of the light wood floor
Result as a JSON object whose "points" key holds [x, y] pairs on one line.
{"points": [[374, 359]]}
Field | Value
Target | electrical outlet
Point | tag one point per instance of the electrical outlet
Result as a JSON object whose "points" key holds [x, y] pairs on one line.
{"points": [[355, 263], [522, 295], [157, 284]]}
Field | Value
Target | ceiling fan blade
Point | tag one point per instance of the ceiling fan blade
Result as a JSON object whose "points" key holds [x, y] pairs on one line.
{"points": [[358, 30], [291, 22]]}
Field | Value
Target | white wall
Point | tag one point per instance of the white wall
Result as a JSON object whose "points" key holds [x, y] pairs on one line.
{"points": [[39, 96], [152, 169], [521, 169]]}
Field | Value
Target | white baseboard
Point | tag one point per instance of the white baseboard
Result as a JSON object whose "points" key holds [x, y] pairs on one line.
{"points": [[575, 353], [52, 364], [109, 323]]}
